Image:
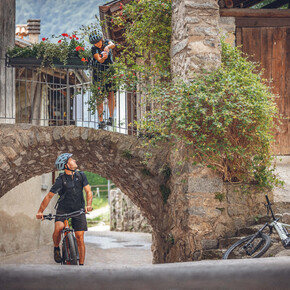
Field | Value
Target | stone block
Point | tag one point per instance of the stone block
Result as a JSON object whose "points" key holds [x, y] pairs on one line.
{"points": [[209, 244], [210, 185]]}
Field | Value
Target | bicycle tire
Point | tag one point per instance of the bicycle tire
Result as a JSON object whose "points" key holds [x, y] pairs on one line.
{"points": [[260, 245], [69, 250]]}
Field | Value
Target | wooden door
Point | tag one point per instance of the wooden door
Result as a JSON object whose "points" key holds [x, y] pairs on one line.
{"points": [[267, 41]]}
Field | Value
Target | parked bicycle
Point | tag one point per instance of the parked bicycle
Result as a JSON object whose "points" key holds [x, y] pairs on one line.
{"points": [[70, 253], [256, 245]]}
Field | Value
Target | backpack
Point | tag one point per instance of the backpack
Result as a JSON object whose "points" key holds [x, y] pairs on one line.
{"points": [[64, 181]]}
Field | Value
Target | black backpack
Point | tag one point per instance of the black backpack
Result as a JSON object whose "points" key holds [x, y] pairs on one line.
{"points": [[64, 181]]}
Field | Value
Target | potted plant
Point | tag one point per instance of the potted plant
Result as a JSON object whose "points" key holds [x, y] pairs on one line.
{"points": [[68, 50]]}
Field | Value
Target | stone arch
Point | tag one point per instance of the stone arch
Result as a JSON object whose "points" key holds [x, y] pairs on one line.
{"points": [[27, 151]]}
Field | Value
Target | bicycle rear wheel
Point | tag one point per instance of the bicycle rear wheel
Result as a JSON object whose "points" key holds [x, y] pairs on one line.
{"points": [[243, 250], [69, 251]]}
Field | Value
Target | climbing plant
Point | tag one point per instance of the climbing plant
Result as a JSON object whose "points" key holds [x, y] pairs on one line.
{"points": [[147, 33], [226, 118]]}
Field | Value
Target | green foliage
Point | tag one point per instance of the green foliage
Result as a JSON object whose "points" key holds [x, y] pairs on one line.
{"points": [[147, 26], [226, 117], [127, 154], [99, 202], [66, 47], [219, 196], [165, 191], [95, 179]]}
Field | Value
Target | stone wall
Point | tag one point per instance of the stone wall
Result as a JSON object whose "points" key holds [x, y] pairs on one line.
{"points": [[125, 215], [195, 43]]}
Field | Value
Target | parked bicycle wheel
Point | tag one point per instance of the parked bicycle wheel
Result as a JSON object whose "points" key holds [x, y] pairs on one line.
{"points": [[243, 250], [69, 252]]}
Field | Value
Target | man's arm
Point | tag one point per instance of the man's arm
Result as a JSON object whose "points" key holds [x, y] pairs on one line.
{"points": [[89, 197], [100, 58], [110, 45], [44, 204]]}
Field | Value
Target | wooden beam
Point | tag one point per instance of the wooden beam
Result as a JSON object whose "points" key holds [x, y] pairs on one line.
{"points": [[247, 12]]}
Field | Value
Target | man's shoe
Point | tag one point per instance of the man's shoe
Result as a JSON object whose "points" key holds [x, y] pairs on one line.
{"points": [[102, 125], [57, 256], [110, 121]]}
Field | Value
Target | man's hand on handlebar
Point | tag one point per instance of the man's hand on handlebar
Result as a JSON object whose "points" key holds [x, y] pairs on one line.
{"points": [[39, 215], [89, 208]]}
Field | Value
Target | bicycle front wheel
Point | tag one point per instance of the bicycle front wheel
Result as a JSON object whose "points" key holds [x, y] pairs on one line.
{"points": [[69, 250], [245, 250]]}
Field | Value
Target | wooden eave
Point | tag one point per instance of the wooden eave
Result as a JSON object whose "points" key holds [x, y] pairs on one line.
{"points": [[248, 12]]}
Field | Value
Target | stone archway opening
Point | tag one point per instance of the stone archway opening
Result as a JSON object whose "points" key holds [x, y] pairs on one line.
{"points": [[28, 151]]}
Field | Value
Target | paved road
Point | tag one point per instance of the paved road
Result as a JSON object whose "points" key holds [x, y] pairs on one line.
{"points": [[123, 261], [103, 248], [256, 274]]}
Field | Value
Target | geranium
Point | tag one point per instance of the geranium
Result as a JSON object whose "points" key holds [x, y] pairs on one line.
{"points": [[78, 48]]}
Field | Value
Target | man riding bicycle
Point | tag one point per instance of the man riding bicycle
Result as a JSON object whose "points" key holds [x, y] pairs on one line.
{"points": [[70, 187]]}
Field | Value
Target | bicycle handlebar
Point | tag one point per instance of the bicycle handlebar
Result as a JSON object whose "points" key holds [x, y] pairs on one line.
{"points": [[65, 215]]}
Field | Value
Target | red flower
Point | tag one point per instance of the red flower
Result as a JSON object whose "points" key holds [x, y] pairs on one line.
{"points": [[99, 88], [79, 48], [121, 13], [70, 37], [74, 36], [114, 77], [121, 6], [83, 59], [65, 35], [133, 73], [77, 38], [59, 41], [43, 39], [121, 75]]}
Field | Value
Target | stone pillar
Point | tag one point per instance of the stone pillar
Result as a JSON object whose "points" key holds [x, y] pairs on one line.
{"points": [[7, 80], [195, 43], [200, 211]]}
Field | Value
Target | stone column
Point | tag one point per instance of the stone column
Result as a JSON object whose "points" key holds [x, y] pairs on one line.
{"points": [[195, 43], [7, 81]]}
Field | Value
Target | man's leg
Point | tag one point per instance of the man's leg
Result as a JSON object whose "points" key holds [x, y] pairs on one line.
{"points": [[111, 103], [100, 111], [57, 233], [81, 246], [56, 240]]}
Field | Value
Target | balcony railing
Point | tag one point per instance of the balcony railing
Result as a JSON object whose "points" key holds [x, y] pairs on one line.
{"points": [[60, 96]]}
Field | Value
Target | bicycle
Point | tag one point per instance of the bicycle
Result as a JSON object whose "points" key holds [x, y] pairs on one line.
{"points": [[70, 253], [256, 245]]}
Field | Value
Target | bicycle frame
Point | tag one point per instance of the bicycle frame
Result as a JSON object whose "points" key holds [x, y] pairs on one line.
{"points": [[64, 235], [278, 226]]}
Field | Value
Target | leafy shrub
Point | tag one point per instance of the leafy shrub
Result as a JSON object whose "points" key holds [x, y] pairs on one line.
{"points": [[225, 117]]}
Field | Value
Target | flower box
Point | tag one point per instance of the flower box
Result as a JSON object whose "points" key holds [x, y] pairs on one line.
{"points": [[73, 62]]}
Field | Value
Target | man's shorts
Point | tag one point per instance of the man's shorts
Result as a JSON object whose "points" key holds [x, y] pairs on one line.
{"points": [[79, 223]]}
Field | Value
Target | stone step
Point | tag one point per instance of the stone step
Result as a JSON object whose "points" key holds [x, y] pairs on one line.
{"points": [[215, 254]]}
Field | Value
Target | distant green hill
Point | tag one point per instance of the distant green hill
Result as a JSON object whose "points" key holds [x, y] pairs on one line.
{"points": [[58, 16]]}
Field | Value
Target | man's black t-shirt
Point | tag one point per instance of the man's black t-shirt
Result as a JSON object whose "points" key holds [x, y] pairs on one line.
{"points": [[73, 190]]}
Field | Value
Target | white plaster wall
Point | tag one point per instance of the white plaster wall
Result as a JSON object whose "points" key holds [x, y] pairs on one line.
{"points": [[19, 229], [283, 170]]}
